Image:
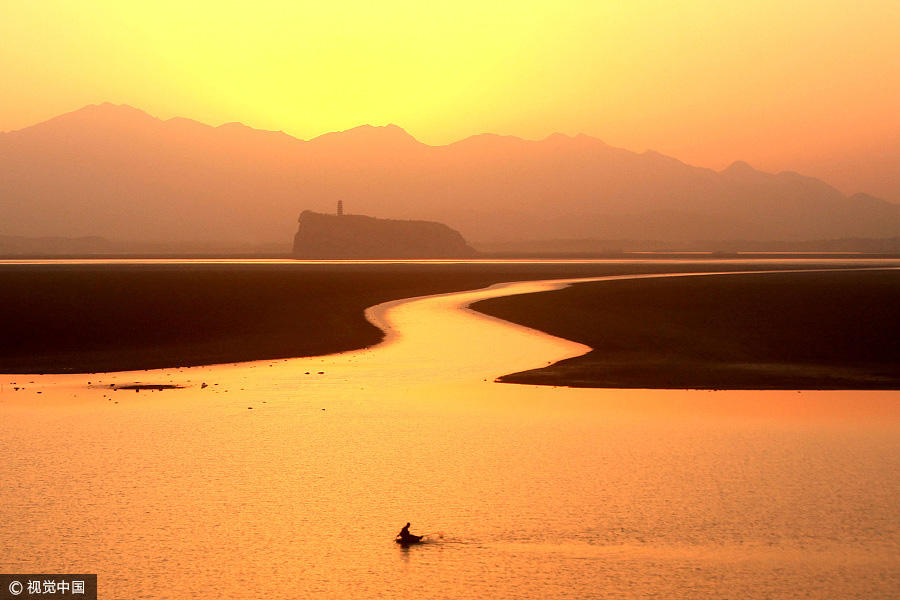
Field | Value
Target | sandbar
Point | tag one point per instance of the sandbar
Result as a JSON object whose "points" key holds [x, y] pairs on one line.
{"points": [[807, 330]]}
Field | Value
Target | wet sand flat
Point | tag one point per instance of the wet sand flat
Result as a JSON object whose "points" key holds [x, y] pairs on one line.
{"points": [[813, 330], [118, 318], [74, 318]]}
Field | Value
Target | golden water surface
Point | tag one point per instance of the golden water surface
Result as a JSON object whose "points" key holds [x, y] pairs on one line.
{"points": [[289, 479]]}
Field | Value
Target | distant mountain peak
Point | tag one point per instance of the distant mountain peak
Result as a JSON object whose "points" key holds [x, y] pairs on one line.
{"points": [[238, 128], [368, 135], [558, 136], [578, 141], [739, 167], [94, 117], [389, 131], [368, 128], [112, 106], [110, 109]]}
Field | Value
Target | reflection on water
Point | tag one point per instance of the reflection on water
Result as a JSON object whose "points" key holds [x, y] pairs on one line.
{"points": [[540, 492]]}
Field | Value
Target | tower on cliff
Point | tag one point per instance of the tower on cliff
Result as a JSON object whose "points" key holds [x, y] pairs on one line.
{"points": [[340, 212]]}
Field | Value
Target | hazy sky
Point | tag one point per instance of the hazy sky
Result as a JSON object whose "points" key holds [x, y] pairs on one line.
{"points": [[774, 82]]}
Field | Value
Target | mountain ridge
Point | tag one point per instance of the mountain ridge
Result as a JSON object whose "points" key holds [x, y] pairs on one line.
{"points": [[107, 169]]}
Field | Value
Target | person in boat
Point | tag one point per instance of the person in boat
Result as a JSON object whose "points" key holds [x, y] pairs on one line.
{"points": [[405, 537]]}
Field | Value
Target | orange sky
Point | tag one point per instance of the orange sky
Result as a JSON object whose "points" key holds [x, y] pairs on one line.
{"points": [[780, 84]]}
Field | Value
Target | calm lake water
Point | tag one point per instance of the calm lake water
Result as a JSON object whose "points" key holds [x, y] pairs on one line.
{"points": [[530, 492]]}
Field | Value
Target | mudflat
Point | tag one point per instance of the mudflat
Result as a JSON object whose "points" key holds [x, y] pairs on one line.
{"points": [[82, 318], [85, 318], [811, 330]]}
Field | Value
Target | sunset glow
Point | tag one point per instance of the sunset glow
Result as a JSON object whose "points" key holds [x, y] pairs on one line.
{"points": [[598, 297], [708, 82]]}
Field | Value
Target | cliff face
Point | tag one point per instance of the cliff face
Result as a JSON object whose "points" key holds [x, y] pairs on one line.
{"points": [[322, 236]]}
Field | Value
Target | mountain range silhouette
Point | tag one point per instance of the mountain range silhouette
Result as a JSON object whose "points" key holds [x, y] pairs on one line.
{"points": [[118, 172]]}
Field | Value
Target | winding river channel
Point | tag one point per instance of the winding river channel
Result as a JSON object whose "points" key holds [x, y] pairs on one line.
{"points": [[290, 478]]}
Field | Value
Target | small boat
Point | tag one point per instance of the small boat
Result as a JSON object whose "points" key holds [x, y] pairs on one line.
{"points": [[410, 539]]}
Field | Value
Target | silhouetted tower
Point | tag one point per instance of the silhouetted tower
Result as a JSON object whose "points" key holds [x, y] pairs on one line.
{"points": [[340, 208]]}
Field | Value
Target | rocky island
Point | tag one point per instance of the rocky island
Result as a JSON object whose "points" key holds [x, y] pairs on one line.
{"points": [[340, 236]]}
